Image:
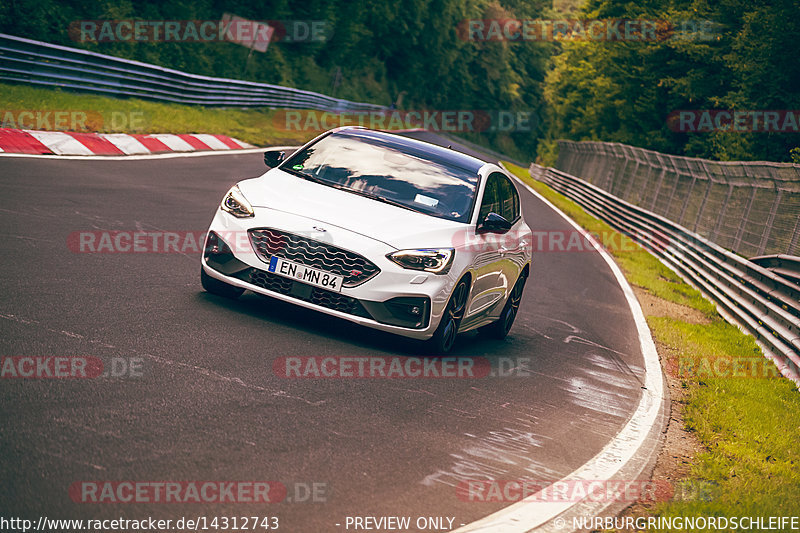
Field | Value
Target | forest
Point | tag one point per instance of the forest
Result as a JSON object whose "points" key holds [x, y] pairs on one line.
{"points": [[679, 82]]}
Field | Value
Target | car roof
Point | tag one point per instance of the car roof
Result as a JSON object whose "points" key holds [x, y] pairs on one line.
{"points": [[432, 152]]}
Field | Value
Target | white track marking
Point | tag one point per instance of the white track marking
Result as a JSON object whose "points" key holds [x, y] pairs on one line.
{"points": [[531, 514], [60, 142], [211, 141], [128, 144], [242, 143], [173, 142]]}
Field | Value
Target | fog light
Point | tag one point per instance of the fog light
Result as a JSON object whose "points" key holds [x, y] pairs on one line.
{"points": [[216, 249], [404, 311]]}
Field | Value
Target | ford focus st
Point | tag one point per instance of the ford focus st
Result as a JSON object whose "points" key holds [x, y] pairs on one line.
{"points": [[379, 229]]}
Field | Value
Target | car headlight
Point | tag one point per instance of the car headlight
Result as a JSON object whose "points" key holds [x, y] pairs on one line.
{"points": [[437, 260], [236, 204]]}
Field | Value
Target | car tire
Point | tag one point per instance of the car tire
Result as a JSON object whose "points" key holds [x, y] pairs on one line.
{"points": [[220, 288], [499, 328], [445, 335]]}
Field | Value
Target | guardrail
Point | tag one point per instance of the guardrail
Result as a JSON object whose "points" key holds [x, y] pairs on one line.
{"points": [[751, 208], [757, 300], [38, 63], [786, 266]]}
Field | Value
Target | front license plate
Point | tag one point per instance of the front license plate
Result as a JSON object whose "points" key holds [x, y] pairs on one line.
{"points": [[306, 274]]}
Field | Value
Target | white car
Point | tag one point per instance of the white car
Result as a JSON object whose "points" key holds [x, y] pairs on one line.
{"points": [[389, 232]]}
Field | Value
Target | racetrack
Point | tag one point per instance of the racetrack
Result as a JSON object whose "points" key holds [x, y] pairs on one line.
{"points": [[208, 406]]}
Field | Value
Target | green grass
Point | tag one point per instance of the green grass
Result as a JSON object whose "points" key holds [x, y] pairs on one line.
{"points": [[258, 126], [261, 127], [750, 427]]}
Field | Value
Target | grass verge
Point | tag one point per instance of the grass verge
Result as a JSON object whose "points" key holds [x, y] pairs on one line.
{"points": [[28, 107], [745, 416], [103, 114]]}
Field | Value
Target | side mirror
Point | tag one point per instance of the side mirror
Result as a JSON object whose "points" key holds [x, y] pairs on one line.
{"points": [[273, 158], [493, 223]]}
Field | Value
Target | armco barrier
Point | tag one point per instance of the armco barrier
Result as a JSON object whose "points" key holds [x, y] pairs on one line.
{"points": [[751, 208], [787, 266], [759, 301], [38, 63]]}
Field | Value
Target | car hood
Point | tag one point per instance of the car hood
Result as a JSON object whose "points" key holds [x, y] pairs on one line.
{"points": [[397, 227]]}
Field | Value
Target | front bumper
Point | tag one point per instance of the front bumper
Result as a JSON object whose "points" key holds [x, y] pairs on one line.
{"points": [[396, 300]]}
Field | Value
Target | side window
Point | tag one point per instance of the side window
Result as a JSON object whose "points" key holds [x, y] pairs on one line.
{"points": [[491, 198], [509, 199], [500, 197]]}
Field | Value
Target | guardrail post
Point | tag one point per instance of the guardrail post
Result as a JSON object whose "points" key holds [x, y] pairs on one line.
{"points": [[703, 203], [613, 169], [634, 173], [661, 176], [617, 183], [793, 248], [768, 226], [744, 221], [648, 179], [674, 187], [721, 215], [686, 201]]}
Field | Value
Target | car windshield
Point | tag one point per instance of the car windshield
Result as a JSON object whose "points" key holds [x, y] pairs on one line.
{"points": [[391, 172]]}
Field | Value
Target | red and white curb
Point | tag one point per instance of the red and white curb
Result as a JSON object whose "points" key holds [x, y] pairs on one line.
{"points": [[111, 144]]}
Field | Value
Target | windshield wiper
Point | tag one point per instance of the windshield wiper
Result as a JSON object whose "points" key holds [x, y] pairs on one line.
{"points": [[380, 199], [305, 176]]}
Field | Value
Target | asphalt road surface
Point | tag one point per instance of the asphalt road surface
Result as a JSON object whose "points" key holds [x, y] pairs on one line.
{"points": [[193, 395]]}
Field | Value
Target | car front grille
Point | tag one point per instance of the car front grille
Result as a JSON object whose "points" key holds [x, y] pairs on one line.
{"points": [[355, 269], [308, 293]]}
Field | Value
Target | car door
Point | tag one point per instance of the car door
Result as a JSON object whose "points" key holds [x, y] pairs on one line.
{"points": [[487, 261], [512, 249]]}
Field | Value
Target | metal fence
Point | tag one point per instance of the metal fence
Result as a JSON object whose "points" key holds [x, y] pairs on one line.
{"points": [[761, 302], [38, 63], [751, 208]]}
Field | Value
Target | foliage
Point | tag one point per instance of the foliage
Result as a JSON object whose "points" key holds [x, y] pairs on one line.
{"points": [[376, 51], [624, 91], [414, 55]]}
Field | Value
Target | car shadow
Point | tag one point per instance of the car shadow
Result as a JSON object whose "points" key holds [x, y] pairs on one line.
{"points": [[286, 314]]}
